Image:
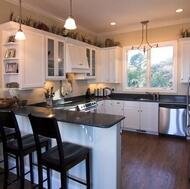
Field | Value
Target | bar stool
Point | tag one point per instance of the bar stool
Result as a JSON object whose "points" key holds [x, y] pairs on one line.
{"points": [[20, 147], [61, 157], [10, 134]]}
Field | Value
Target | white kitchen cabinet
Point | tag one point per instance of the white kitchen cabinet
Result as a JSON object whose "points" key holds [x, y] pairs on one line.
{"points": [[76, 60], [100, 106], [91, 59], [32, 62], [55, 52], [26, 69], [110, 65], [132, 115], [108, 108], [114, 107], [141, 116], [185, 59]]}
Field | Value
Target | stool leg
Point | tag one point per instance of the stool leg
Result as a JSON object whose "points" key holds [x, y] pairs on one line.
{"points": [[47, 147], [17, 166], [88, 172], [6, 170], [31, 168], [63, 181], [2, 161], [21, 172], [48, 178]]}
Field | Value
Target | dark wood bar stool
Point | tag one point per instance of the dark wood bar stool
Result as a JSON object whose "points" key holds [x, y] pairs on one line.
{"points": [[61, 157], [10, 134], [20, 147]]}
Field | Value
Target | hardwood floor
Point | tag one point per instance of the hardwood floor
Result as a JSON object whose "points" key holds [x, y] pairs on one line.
{"points": [[151, 162], [154, 162]]}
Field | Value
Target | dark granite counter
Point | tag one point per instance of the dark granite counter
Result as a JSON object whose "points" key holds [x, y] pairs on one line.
{"points": [[163, 99], [75, 117]]}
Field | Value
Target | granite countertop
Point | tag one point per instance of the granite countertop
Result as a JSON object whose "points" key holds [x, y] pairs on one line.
{"points": [[163, 99], [75, 117]]}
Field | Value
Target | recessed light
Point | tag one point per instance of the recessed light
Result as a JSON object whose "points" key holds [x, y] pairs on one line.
{"points": [[112, 23], [179, 10]]}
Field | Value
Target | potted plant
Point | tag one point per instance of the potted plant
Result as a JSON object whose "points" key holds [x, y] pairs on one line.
{"points": [[49, 94]]}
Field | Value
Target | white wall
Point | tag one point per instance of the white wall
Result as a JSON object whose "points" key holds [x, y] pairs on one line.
{"points": [[79, 87]]}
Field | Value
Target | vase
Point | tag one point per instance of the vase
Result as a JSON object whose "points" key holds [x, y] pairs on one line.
{"points": [[49, 102]]}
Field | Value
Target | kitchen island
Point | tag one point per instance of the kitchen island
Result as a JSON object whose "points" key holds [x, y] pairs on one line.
{"points": [[100, 132]]}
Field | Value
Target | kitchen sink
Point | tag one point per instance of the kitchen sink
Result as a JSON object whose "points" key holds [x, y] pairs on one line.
{"points": [[144, 99]]}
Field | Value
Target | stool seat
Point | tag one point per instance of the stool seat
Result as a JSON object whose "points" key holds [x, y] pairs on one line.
{"points": [[28, 142], [72, 153]]}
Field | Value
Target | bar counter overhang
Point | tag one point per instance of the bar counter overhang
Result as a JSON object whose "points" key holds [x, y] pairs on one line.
{"points": [[100, 132]]}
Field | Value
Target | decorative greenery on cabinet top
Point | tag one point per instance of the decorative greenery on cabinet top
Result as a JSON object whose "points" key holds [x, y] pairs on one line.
{"points": [[29, 21]]}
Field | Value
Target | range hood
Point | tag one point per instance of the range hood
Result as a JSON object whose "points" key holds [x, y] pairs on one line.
{"points": [[76, 59]]}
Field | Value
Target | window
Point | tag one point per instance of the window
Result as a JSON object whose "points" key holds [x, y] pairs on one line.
{"points": [[154, 70]]}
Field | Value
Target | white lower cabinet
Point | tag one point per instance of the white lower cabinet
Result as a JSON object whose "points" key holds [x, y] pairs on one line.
{"points": [[100, 107], [141, 116], [108, 107], [114, 107]]}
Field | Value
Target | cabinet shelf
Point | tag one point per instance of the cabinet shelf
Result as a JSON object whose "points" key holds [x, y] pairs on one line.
{"points": [[10, 43], [7, 74], [8, 59]]}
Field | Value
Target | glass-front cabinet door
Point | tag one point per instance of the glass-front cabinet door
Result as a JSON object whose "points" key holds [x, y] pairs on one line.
{"points": [[91, 58], [55, 60]]}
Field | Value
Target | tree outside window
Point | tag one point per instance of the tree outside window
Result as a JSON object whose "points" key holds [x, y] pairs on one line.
{"points": [[152, 70]]}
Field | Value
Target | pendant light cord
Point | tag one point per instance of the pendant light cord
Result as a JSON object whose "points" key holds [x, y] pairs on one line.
{"points": [[20, 19], [70, 8]]}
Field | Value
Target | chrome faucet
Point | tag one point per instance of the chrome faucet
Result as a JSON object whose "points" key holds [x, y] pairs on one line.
{"points": [[154, 95]]}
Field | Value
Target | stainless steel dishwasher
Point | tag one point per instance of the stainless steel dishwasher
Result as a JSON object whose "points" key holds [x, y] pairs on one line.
{"points": [[172, 120]]}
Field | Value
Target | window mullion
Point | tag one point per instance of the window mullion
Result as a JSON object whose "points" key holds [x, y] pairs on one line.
{"points": [[148, 68]]}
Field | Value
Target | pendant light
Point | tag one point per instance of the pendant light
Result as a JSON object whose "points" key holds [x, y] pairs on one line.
{"points": [[70, 22], [144, 45], [20, 34]]}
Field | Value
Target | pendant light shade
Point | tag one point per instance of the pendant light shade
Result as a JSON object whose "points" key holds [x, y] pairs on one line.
{"points": [[144, 45], [20, 34], [70, 22]]}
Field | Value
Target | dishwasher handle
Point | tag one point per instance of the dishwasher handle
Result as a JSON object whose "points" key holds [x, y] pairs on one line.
{"points": [[173, 106]]}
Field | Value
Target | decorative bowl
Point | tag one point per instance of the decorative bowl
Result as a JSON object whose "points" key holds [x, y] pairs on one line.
{"points": [[6, 102], [22, 102]]}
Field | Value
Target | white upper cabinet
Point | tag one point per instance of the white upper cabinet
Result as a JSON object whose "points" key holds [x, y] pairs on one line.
{"points": [[110, 65], [92, 58], [76, 60], [32, 61], [23, 61], [185, 59], [55, 52]]}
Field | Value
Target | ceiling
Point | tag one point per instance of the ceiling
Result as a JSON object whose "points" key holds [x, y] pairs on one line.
{"points": [[96, 15]]}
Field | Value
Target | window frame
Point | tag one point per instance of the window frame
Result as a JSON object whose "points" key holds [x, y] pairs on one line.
{"points": [[149, 89]]}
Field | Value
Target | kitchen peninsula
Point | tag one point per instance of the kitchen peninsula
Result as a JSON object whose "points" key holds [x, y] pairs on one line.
{"points": [[100, 132]]}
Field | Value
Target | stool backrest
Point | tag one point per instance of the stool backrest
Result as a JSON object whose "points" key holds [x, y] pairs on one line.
{"points": [[46, 127], [8, 120]]}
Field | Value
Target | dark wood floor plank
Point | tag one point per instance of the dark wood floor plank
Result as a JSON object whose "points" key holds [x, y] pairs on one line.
{"points": [[154, 162]]}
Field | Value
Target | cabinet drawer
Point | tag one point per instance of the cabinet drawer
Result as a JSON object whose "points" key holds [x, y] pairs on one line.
{"points": [[117, 103], [149, 105], [131, 104]]}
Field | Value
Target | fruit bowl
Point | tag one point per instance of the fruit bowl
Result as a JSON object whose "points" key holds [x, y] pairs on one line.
{"points": [[6, 102], [22, 102]]}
